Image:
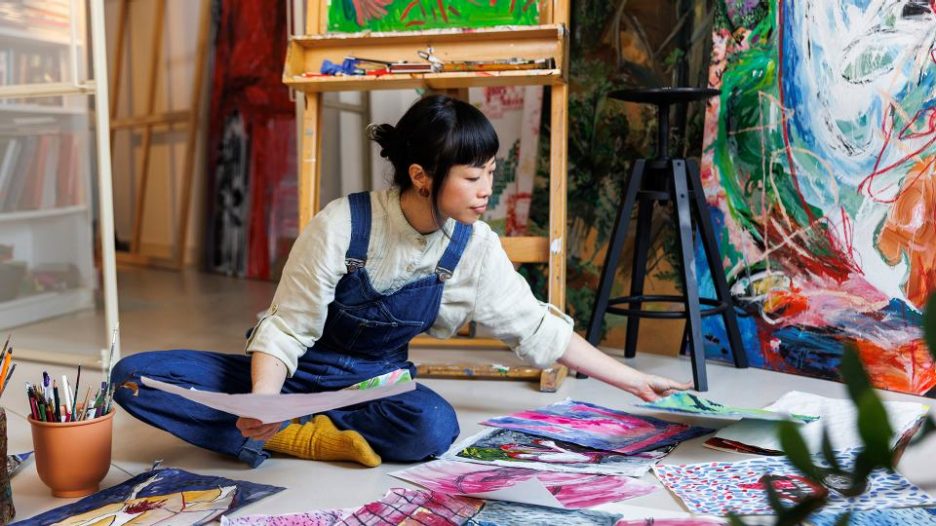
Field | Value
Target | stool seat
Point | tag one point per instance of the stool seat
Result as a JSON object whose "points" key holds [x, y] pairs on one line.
{"points": [[660, 96]]}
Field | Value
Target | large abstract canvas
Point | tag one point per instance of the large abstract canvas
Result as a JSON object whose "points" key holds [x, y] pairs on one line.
{"points": [[718, 488], [598, 427], [527, 486], [819, 168], [164, 497], [352, 16], [503, 447]]}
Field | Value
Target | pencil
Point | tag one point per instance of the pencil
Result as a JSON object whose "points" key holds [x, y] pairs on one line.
{"points": [[55, 396], [75, 399], [6, 381], [7, 356]]}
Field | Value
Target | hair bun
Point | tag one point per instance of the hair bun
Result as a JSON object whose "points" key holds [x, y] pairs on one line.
{"points": [[387, 137]]}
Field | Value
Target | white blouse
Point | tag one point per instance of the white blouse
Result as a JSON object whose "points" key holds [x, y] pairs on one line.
{"points": [[484, 287]]}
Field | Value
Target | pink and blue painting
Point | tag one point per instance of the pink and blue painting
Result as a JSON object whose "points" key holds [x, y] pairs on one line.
{"points": [[719, 488], [161, 496], [819, 168], [544, 488], [598, 427]]}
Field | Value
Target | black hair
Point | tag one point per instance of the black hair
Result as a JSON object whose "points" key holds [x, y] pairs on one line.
{"points": [[437, 132]]}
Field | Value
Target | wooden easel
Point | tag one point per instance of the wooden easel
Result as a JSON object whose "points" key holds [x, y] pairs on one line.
{"points": [[150, 120], [547, 40]]}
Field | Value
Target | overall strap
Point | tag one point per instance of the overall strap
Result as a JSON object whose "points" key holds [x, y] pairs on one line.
{"points": [[356, 255], [446, 266]]}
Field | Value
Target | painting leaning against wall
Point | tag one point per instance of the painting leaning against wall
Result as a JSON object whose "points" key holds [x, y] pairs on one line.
{"points": [[352, 16], [819, 166]]}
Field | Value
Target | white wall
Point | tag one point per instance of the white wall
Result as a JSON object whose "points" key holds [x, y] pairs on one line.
{"points": [[173, 93]]}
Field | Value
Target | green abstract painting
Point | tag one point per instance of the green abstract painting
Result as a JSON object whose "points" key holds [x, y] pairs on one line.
{"points": [[352, 16]]}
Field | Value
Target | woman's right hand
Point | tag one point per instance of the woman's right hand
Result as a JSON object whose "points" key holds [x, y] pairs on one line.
{"points": [[257, 430]]}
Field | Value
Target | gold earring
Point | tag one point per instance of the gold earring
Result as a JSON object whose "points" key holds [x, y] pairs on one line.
{"points": [[423, 192]]}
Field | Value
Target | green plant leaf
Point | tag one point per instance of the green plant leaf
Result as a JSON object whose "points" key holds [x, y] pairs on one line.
{"points": [[843, 519], [798, 514], [735, 520], [828, 453], [875, 430], [929, 426], [929, 325], [795, 448], [854, 374]]}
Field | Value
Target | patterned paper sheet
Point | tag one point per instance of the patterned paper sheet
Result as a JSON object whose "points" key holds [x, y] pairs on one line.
{"points": [[717, 488]]}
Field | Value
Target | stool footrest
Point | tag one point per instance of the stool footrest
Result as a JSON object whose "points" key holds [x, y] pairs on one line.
{"points": [[715, 306]]}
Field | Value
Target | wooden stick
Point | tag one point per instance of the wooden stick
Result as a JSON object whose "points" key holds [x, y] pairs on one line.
{"points": [[118, 64], [188, 172], [156, 53]]}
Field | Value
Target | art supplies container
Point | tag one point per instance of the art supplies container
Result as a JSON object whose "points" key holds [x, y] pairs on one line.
{"points": [[72, 458], [7, 511]]}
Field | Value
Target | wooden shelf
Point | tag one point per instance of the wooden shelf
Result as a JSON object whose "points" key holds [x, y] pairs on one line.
{"points": [[28, 309], [306, 54], [28, 215]]}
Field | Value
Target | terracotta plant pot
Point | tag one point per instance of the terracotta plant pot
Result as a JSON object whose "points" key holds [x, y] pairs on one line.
{"points": [[72, 458]]}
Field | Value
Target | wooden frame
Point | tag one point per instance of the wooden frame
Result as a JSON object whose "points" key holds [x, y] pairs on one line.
{"points": [[548, 40], [150, 119]]}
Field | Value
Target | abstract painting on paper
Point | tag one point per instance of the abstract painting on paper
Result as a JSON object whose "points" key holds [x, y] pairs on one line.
{"points": [[718, 488], [406, 506], [839, 420], [598, 427], [352, 16], [162, 496], [819, 169], [308, 518], [696, 405], [527, 486], [497, 513], [503, 447]]}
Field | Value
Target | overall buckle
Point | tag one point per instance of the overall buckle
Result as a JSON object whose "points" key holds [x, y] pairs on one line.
{"points": [[443, 273], [353, 264]]}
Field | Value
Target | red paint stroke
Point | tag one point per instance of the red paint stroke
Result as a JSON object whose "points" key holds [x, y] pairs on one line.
{"points": [[513, 4], [408, 9], [907, 367], [528, 5], [415, 23], [454, 11], [441, 5], [929, 130]]}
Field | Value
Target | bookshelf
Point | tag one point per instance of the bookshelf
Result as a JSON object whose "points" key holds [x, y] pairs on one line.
{"points": [[47, 256]]}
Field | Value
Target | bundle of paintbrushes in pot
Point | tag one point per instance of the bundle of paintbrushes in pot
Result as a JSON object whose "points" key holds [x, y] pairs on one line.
{"points": [[71, 438]]}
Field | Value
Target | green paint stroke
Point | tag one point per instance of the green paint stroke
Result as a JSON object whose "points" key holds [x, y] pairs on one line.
{"points": [[352, 16]]}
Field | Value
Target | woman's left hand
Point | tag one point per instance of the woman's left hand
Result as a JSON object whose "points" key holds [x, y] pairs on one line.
{"points": [[650, 387]]}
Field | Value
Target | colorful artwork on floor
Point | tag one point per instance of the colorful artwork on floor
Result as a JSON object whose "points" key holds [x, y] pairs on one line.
{"points": [[696, 405], [819, 168], [718, 488], [503, 447], [881, 517], [308, 518], [162, 496], [406, 506], [527, 486], [498, 513], [352, 16], [598, 427]]}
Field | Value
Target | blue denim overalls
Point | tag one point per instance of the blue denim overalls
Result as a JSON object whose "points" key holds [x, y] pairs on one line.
{"points": [[366, 334]]}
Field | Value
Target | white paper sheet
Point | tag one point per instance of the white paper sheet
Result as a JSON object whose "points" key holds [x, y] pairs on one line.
{"points": [[837, 415], [281, 407]]}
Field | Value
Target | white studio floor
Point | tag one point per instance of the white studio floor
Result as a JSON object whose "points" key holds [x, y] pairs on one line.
{"points": [[322, 485]]}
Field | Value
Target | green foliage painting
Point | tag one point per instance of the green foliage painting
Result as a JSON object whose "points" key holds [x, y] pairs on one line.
{"points": [[352, 16]]}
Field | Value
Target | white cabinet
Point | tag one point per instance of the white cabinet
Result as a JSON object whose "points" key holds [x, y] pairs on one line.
{"points": [[46, 149]]}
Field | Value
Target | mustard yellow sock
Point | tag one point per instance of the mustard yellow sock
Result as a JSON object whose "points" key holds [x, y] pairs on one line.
{"points": [[321, 440]]}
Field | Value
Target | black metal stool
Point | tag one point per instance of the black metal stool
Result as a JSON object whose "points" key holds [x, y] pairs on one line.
{"points": [[665, 179]]}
